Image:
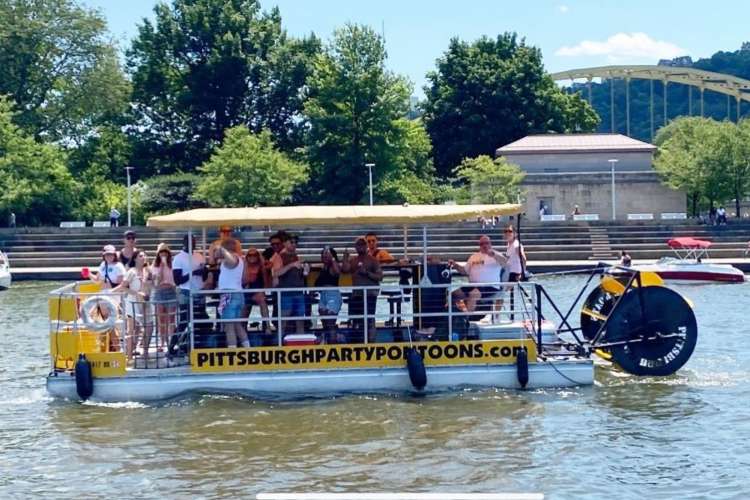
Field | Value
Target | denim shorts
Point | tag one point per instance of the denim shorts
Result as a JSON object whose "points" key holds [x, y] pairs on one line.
{"points": [[293, 303], [330, 300], [233, 308]]}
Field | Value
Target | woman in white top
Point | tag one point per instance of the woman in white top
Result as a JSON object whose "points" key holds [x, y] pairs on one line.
{"points": [[135, 284], [231, 270], [110, 272], [514, 254]]}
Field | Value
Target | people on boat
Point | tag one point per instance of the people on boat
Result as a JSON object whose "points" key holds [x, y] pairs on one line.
{"points": [[188, 274], [330, 300], [289, 272], [225, 233], [110, 272], [382, 255], [232, 301], [136, 285], [366, 271], [163, 294], [129, 250], [483, 266], [625, 259], [515, 260], [254, 277]]}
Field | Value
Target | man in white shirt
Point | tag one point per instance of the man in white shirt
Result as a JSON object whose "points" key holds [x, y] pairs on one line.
{"points": [[483, 266], [188, 273]]}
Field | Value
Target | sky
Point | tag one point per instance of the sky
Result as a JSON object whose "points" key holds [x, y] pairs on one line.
{"points": [[571, 34]]}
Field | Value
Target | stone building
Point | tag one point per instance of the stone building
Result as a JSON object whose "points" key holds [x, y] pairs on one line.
{"points": [[564, 170]]}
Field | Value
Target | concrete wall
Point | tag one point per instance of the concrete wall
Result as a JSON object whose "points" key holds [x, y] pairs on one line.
{"points": [[580, 162], [639, 192]]}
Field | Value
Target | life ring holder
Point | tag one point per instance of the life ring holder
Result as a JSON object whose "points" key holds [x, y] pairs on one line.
{"points": [[109, 308]]}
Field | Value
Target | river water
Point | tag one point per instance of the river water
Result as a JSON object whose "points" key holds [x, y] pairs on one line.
{"points": [[683, 436]]}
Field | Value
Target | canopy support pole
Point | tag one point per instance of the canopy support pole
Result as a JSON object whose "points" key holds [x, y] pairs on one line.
{"points": [[190, 295]]}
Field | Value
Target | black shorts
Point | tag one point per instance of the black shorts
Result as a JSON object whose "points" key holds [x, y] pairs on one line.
{"points": [[357, 306], [514, 277]]}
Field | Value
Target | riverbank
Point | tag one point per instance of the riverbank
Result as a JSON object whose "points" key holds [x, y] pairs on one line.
{"points": [[54, 253]]}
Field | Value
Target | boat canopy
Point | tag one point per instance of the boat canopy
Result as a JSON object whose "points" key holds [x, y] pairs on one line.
{"points": [[688, 243], [329, 215]]}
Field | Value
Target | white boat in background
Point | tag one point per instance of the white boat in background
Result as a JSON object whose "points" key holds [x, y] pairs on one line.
{"points": [[5, 276], [688, 265]]}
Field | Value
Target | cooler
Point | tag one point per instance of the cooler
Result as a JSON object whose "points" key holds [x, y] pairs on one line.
{"points": [[300, 339], [549, 331]]}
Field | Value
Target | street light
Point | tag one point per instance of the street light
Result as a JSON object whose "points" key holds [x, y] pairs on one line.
{"points": [[127, 171], [612, 170], [369, 167]]}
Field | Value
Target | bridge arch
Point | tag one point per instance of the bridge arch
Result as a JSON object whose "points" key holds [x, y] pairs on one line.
{"points": [[731, 86]]}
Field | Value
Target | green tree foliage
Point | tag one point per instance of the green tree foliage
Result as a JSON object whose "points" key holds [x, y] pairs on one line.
{"points": [[356, 111], [171, 193], [485, 180], [247, 170], [102, 194], [204, 66], [491, 92], [34, 181], [709, 160], [105, 153], [60, 68]]}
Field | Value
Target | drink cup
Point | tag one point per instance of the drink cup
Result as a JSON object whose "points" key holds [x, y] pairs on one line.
{"points": [[85, 273]]}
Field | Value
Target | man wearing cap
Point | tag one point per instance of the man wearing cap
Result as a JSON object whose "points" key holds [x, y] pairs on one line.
{"points": [[110, 271], [188, 273], [129, 251], [365, 271]]}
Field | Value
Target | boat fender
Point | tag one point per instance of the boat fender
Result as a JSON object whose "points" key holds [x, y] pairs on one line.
{"points": [[417, 371], [522, 367], [84, 378], [106, 307]]}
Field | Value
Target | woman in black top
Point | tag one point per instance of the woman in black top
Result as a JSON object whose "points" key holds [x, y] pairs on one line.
{"points": [[129, 252]]}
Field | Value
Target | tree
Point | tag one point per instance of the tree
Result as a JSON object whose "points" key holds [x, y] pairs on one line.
{"points": [[693, 156], [356, 111], [34, 180], [105, 153], [205, 66], [489, 181], [247, 170], [102, 194], [171, 193], [739, 167], [59, 68], [489, 93]]}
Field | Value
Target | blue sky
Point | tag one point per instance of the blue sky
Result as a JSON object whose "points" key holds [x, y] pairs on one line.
{"points": [[571, 34]]}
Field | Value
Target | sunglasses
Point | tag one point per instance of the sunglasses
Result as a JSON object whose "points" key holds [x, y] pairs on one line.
{"points": [[130, 237], [371, 240], [508, 231]]}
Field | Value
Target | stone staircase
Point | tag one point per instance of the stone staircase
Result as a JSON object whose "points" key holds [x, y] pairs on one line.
{"points": [[600, 248]]}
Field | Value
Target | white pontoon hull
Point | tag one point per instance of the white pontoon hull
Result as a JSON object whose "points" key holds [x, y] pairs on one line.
{"points": [[5, 279], [150, 385], [685, 271]]}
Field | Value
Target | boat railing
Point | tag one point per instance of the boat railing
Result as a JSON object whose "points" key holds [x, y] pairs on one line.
{"points": [[422, 311], [89, 320], [155, 334]]}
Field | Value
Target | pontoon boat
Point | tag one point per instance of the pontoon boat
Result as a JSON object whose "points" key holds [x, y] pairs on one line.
{"points": [[432, 346]]}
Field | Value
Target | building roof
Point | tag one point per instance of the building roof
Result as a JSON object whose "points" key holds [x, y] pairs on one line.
{"points": [[575, 143]]}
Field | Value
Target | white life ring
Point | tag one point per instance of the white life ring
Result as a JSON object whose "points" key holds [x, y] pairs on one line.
{"points": [[106, 305]]}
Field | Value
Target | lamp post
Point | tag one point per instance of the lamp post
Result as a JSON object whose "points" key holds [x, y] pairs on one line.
{"points": [[614, 201], [369, 168], [127, 171]]}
